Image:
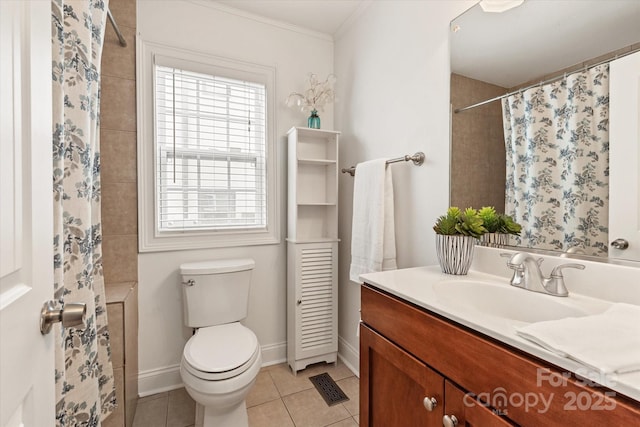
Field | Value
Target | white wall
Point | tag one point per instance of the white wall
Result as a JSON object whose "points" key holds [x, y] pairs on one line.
{"points": [[200, 26], [393, 84]]}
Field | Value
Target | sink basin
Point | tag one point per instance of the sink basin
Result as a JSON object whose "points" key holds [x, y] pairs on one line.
{"points": [[505, 301]]}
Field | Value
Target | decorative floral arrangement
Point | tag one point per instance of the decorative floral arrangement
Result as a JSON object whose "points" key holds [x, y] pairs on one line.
{"points": [[498, 223], [316, 96], [458, 222]]}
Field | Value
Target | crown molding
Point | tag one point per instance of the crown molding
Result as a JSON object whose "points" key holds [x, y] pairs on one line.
{"points": [[261, 19]]}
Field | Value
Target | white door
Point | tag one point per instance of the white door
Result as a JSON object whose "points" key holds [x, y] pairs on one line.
{"points": [[624, 161], [27, 396]]}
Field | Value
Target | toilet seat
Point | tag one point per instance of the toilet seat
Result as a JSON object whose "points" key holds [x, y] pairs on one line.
{"points": [[220, 352]]}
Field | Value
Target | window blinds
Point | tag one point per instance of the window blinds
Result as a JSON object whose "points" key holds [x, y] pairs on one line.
{"points": [[210, 152]]}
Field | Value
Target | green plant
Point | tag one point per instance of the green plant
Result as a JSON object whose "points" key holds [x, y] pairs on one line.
{"points": [[508, 225], [457, 222], [490, 218], [498, 223]]}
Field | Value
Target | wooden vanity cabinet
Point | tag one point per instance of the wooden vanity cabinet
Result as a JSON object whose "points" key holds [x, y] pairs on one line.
{"points": [[408, 353], [394, 384]]}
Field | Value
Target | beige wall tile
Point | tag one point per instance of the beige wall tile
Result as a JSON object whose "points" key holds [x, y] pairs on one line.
{"points": [[118, 104], [269, 414], [120, 258], [116, 419], [119, 208], [118, 292], [115, 314], [131, 354], [477, 146], [118, 60], [124, 12], [117, 156]]}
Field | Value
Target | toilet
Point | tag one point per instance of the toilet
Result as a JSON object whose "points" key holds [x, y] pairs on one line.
{"points": [[221, 360]]}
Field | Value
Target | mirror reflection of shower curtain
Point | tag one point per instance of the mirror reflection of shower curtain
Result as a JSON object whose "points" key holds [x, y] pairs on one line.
{"points": [[557, 145]]}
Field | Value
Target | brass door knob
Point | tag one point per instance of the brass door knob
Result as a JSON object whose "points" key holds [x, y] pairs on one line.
{"points": [[72, 314]]}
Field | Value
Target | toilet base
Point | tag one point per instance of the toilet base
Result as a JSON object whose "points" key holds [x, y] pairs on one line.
{"points": [[236, 417]]}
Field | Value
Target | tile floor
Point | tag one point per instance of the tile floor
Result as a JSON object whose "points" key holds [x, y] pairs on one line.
{"points": [[278, 399]]}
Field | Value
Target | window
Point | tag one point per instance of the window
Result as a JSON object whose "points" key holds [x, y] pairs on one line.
{"points": [[210, 147], [212, 155]]}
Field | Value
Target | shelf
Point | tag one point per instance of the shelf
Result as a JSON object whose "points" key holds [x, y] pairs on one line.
{"points": [[314, 240], [319, 162], [316, 221]]}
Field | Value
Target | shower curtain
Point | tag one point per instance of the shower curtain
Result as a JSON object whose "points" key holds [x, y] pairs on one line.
{"points": [[85, 392], [557, 144]]}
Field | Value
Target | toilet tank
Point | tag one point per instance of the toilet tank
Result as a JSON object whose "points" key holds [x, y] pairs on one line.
{"points": [[215, 292]]}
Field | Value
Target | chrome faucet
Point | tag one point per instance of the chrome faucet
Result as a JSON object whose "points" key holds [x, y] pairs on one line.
{"points": [[528, 275]]}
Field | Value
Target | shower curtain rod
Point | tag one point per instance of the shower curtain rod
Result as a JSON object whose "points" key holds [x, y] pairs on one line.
{"points": [[121, 39], [543, 82]]}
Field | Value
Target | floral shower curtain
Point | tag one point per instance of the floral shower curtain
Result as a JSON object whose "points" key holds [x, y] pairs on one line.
{"points": [[85, 392], [557, 144]]}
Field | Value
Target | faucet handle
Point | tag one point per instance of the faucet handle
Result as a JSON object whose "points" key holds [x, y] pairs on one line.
{"points": [[517, 266], [557, 272], [555, 283]]}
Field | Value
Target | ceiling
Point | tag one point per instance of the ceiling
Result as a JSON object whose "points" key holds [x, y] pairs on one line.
{"points": [[540, 37], [325, 16], [505, 49]]}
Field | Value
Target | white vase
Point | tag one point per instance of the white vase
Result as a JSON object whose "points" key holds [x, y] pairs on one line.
{"points": [[495, 240], [455, 253]]}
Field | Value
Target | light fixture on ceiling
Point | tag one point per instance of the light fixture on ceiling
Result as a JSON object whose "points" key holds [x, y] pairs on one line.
{"points": [[499, 6]]}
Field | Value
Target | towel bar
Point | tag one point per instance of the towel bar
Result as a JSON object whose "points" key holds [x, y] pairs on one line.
{"points": [[417, 159]]}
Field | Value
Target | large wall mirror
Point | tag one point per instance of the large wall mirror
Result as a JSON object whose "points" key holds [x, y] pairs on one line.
{"points": [[546, 54]]}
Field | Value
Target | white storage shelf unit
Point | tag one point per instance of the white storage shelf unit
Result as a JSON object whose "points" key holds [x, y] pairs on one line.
{"points": [[312, 291], [313, 185]]}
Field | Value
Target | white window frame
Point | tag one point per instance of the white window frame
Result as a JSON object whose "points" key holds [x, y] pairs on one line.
{"points": [[149, 238]]}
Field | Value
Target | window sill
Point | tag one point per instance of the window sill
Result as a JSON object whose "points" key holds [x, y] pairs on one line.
{"points": [[209, 240]]}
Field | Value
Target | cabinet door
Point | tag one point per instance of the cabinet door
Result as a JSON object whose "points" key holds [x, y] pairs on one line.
{"points": [[396, 389], [462, 410]]}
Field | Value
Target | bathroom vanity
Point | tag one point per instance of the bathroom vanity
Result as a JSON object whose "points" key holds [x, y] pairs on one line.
{"points": [[428, 359]]}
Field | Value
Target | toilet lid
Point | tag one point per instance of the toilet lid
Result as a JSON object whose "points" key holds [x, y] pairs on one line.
{"points": [[221, 348]]}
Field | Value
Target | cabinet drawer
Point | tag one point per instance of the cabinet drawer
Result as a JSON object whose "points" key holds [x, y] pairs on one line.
{"points": [[492, 369]]}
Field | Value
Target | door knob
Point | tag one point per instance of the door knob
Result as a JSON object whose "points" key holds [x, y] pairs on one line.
{"points": [[430, 403], [620, 244], [449, 421], [72, 314]]}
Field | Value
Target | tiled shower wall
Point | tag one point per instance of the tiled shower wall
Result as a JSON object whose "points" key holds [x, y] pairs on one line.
{"points": [[477, 146], [118, 148]]}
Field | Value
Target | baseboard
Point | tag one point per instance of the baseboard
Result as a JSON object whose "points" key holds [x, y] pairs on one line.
{"points": [[272, 354], [159, 380], [349, 355]]}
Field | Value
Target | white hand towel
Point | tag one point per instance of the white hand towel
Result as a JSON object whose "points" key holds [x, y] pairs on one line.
{"points": [[373, 240], [608, 342]]}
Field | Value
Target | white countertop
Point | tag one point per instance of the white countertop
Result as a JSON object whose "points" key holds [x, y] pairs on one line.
{"points": [[419, 286]]}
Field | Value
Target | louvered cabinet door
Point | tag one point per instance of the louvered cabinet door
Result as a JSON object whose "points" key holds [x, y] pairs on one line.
{"points": [[315, 296]]}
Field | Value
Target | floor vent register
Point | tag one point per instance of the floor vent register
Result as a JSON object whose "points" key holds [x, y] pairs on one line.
{"points": [[328, 389]]}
